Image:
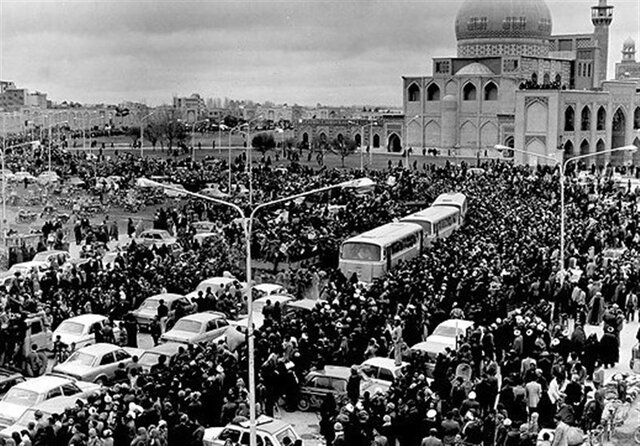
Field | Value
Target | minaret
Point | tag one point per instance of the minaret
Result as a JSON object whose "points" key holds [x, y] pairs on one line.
{"points": [[629, 50], [601, 17]]}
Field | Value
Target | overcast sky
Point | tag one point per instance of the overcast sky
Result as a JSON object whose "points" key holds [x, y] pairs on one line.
{"points": [[296, 51]]}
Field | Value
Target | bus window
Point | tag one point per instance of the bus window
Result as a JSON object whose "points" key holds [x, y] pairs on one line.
{"points": [[361, 251]]}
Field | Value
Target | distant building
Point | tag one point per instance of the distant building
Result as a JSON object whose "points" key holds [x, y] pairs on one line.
{"points": [[37, 99], [13, 99]]}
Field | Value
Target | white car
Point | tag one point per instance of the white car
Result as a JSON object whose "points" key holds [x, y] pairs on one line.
{"points": [[24, 175], [258, 305], [215, 283], [48, 178], [81, 330], [48, 408], [96, 363], [444, 336], [25, 268], [383, 369], [34, 391], [267, 289], [270, 432], [155, 237], [175, 193], [197, 328], [46, 256]]}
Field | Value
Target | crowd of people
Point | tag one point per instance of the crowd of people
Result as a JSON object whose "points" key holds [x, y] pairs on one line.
{"points": [[527, 373]]}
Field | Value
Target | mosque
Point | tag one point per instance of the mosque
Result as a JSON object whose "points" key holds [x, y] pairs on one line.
{"points": [[515, 83]]}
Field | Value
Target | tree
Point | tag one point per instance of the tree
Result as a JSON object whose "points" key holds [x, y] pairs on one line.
{"points": [[344, 147], [230, 121], [134, 133], [263, 142], [165, 125]]}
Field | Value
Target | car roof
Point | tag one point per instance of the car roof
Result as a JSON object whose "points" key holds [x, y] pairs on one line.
{"points": [[460, 323], [156, 231], [387, 363], [266, 287], [28, 264], [217, 280], [305, 304], [99, 349], [169, 348], [44, 383], [167, 297], [204, 316], [53, 251], [266, 424], [333, 371], [274, 298], [86, 318]]}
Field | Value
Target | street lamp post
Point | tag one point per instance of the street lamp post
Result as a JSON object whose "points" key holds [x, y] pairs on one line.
{"points": [[51, 137], [250, 148], [247, 225], [563, 170]]}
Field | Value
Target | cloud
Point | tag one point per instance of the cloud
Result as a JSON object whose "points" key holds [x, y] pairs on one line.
{"points": [[288, 51]]}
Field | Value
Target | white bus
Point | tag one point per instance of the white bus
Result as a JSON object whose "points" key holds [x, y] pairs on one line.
{"points": [[456, 199], [436, 222], [375, 252]]}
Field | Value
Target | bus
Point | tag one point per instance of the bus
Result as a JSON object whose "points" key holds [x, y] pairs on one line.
{"points": [[436, 222], [373, 253], [455, 199]]}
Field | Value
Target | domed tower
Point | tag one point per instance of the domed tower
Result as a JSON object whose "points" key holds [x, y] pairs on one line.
{"points": [[601, 17], [629, 50], [505, 28]]}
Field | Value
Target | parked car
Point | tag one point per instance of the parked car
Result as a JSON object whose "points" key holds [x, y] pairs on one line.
{"points": [[215, 283], [267, 289], [95, 363], [37, 333], [81, 330], [202, 227], [197, 328], [25, 268], [444, 336], [258, 305], [47, 408], [34, 391], [150, 357], [149, 308], [48, 178], [23, 175], [332, 379], [8, 379], [46, 256], [383, 369], [269, 432], [155, 237]]}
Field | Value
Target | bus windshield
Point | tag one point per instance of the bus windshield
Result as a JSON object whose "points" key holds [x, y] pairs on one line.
{"points": [[361, 251]]}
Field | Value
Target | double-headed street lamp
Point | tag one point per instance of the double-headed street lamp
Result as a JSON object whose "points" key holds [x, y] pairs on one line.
{"points": [[361, 132], [563, 170], [247, 224]]}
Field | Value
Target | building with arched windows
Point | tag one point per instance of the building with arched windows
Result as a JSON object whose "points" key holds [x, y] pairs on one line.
{"points": [[514, 83]]}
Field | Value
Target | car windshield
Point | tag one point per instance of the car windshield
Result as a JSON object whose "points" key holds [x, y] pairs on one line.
{"points": [[21, 397], [81, 358], [149, 358], [447, 332], [151, 304], [69, 327], [187, 325]]}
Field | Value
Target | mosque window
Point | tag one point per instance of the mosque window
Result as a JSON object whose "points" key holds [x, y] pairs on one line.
{"points": [[544, 25], [601, 121], [477, 24], [514, 23], [469, 92], [414, 93], [490, 92], [569, 119], [433, 93], [443, 67]]}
